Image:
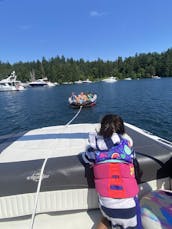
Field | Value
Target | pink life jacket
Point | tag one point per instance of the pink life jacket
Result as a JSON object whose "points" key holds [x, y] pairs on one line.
{"points": [[115, 180]]}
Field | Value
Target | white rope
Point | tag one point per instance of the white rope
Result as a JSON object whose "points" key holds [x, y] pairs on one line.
{"points": [[42, 172], [37, 192], [67, 124]]}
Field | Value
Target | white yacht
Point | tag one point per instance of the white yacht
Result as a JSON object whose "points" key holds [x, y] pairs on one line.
{"points": [[11, 83], [78, 82], [110, 80], [87, 81], [156, 77], [128, 78], [41, 83], [49, 83]]}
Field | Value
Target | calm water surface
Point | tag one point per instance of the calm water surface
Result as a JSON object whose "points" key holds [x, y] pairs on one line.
{"points": [[145, 103]]}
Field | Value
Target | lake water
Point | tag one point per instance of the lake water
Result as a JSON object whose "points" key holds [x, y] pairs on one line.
{"points": [[146, 103]]}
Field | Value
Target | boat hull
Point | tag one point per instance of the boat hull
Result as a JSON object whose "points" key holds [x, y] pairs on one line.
{"points": [[67, 188], [37, 84], [7, 88]]}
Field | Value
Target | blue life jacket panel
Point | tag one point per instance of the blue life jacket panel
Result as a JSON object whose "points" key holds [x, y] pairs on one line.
{"points": [[119, 151]]}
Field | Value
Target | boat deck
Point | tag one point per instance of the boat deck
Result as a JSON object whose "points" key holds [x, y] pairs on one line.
{"points": [[67, 190], [61, 144], [59, 141]]}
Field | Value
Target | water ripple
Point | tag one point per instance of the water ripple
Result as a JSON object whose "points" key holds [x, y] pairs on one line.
{"points": [[145, 103]]}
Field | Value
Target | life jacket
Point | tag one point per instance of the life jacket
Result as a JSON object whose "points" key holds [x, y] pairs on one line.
{"points": [[119, 151], [114, 171], [115, 180], [99, 143]]}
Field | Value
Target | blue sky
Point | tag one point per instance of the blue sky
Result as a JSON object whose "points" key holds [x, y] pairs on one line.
{"points": [[88, 29]]}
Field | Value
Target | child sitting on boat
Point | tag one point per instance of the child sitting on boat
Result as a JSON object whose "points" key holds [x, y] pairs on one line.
{"points": [[112, 158]]}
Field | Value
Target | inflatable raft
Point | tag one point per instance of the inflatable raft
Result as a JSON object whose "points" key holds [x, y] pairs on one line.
{"points": [[66, 197], [87, 103]]}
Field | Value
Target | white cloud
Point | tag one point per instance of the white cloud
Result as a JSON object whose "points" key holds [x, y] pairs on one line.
{"points": [[95, 13]]}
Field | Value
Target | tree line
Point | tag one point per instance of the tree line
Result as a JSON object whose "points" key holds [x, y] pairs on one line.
{"points": [[61, 69]]}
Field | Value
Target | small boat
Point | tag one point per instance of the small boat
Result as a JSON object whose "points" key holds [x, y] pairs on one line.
{"points": [[41, 83], [37, 83], [156, 77], [44, 181], [11, 83], [90, 101], [128, 78], [49, 83], [87, 81], [78, 82], [110, 80]]}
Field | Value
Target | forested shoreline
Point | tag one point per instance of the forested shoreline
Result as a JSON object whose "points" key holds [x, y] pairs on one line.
{"points": [[61, 69]]}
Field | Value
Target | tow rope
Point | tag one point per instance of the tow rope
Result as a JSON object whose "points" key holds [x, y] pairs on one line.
{"points": [[42, 172]]}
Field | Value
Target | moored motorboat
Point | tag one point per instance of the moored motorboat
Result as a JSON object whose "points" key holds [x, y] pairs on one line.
{"points": [[89, 100], [110, 80], [67, 197], [87, 81], [41, 83], [11, 83], [156, 77], [37, 83]]}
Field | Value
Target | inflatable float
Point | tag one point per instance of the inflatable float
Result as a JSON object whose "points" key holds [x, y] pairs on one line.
{"points": [[77, 103]]}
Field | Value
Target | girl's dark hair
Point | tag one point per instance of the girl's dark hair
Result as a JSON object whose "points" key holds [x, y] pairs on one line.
{"points": [[111, 123]]}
